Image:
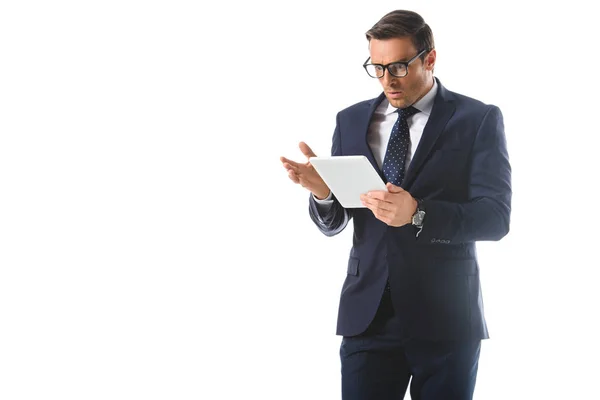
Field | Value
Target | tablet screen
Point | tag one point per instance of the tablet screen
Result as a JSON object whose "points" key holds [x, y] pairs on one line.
{"points": [[348, 177]]}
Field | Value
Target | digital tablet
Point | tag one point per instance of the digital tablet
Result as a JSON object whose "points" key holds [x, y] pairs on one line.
{"points": [[348, 177]]}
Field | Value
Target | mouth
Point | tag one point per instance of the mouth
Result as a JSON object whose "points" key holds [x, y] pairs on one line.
{"points": [[395, 94]]}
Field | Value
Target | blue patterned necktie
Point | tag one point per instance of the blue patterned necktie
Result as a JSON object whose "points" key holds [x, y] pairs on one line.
{"points": [[397, 149]]}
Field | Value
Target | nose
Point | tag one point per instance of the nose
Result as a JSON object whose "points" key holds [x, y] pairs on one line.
{"points": [[387, 78]]}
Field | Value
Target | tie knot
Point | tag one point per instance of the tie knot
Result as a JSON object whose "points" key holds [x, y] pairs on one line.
{"points": [[407, 112]]}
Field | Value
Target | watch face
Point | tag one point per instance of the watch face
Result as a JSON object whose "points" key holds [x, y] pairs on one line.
{"points": [[418, 217]]}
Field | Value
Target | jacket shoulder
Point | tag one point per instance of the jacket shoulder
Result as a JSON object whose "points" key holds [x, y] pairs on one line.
{"points": [[361, 106], [469, 103]]}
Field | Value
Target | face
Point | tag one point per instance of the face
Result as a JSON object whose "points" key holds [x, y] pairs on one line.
{"points": [[405, 91]]}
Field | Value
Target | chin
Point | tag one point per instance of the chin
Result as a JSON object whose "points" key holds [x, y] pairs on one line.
{"points": [[398, 103]]}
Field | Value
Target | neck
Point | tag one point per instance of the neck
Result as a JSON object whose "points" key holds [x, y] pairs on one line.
{"points": [[426, 88]]}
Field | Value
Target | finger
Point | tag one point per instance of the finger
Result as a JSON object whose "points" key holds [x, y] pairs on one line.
{"points": [[290, 167], [370, 202], [383, 216], [377, 205], [386, 207], [293, 177], [307, 151], [379, 195], [367, 201], [287, 160], [393, 188]]}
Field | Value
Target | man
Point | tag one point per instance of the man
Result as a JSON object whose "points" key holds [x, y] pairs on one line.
{"points": [[411, 303]]}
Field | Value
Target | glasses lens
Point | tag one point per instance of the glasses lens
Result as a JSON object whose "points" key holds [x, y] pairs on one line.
{"points": [[374, 70], [397, 69]]}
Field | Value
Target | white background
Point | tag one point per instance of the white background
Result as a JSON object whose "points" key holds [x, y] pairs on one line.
{"points": [[152, 246]]}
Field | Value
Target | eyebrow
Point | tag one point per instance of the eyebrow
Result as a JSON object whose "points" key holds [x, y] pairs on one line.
{"points": [[401, 61]]}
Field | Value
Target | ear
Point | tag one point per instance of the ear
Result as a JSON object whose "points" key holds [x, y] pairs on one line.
{"points": [[430, 60]]}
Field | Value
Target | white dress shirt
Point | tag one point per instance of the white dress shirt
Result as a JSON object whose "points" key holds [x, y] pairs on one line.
{"points": [[382, 122]]}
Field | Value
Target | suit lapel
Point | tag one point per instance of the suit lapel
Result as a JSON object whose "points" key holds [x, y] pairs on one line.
{"points": [[442, 111], [364, 132]]}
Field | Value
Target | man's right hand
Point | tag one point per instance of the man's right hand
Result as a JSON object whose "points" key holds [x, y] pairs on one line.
{"points": [[305, 174]]}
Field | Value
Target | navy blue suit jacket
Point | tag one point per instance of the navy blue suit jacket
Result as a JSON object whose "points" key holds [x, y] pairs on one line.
{"points": [[461, 169]]}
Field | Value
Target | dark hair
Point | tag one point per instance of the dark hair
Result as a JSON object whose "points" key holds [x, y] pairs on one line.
{"points": [[402, 23]]}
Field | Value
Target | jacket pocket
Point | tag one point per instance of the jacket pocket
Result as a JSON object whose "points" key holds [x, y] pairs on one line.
{"points": [[353, 266]]}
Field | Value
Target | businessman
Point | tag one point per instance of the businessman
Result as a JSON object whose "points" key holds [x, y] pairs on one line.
{"points": [[411, 304]]}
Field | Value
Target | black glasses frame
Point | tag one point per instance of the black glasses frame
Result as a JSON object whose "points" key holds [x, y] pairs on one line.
{"points": [[386, 66]]}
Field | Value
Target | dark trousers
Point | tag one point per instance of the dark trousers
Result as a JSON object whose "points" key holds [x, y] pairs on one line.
{"points": [[378, 364]]}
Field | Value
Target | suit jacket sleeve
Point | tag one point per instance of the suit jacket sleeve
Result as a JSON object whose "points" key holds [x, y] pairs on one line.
{"points": [[330, 219], [486, 215]]}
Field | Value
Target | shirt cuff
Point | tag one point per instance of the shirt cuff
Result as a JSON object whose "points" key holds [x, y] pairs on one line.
{"points": [[326, 200]]}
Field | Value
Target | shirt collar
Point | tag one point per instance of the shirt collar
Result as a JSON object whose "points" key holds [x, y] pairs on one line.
{"points": [[424, 105]]}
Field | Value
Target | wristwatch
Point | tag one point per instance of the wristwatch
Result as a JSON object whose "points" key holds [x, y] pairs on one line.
{"points": [[419, 215]]}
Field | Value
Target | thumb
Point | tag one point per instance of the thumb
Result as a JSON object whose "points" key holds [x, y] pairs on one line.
{"points": [[306, 150], [393, 188]]}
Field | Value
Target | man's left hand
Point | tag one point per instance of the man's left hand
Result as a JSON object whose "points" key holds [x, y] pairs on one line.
{"points": [[394, 207]]}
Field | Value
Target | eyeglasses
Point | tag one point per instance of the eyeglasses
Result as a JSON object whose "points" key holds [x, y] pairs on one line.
{"points": [[398, 69]]}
